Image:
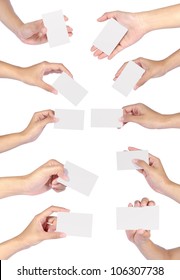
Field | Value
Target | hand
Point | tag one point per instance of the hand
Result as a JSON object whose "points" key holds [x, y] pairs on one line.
{"points": [[37, 124], [139, 236], [33, 75], [134, 24], [153, 69], [143, 115], [41, 228], [154, 173], [45, 178], [34, 33]]}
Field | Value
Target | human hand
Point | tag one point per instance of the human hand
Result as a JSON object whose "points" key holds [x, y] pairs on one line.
{"points": [[153, 69], [33, 75], [34, 33], [37, 124], [143, 115], [44, 178], [138, 237], [132, 21], [154, 173], [41, 228]]}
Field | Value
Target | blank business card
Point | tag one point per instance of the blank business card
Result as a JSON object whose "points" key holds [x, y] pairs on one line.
{"points": [[80, 179], [128, 78], [134, 218], [110, 36], [56, 28], [69, 119], [75, 224], [70, 89], [125, 158], [106, 117]]}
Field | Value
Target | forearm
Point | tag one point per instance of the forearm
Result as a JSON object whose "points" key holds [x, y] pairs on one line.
{"points": [[172, 61], [172, 190], [10, 71], [170, 121], [10, 141], [151, 251], [11, 247], [10, 186], [167, 17], [9, 17]]}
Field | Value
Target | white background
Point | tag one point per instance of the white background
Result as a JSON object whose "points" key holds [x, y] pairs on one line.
{"points": [[93, 149]]}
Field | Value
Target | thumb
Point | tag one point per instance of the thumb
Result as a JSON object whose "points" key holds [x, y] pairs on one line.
{"points": [[48, 87], [47, 120], [145, 77], [55, 235], [34, 28], [130, 118], [107, 16], [142, 164]]}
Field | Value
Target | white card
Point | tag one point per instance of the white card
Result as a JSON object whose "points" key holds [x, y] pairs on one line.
{"points": [[69, 119], [70, 89], [134, 218], [106, 117], [56, 28], [124, 159], [80, 179], [128, 78], [75, 224], [110, 36]]}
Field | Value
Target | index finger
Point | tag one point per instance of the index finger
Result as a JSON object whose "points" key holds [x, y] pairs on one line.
{"points": [[120, 70], [51, 210]]}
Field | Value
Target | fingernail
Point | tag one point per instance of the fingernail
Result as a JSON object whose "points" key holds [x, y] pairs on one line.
{"points": [[62, 234], [54, 91], [135, 160], [56, 119]]}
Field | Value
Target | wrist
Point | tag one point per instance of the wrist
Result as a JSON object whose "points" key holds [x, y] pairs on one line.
{"points": [[172, 190], [151, 20], [25, 137]]}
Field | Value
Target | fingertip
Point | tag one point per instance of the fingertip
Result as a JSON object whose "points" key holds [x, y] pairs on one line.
{"points": [[54, 91], [141, 231], [62, 234], [135, 161]]}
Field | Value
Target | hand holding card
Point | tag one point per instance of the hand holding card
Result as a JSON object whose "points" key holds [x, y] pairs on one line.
{"points": [[80, 179], [128, 78], [75, 224], [70, 89], [134, 218], [110, 36], [56, 28], [125, 159], [106, 118]]}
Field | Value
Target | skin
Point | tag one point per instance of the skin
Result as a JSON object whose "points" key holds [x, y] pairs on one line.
{"points": [[148, 118], [139, 24], [37, 182], [153, 69], [141, 238], [156, 177], [30, 133], [41, 228], [33, 75], [33, 33]]}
